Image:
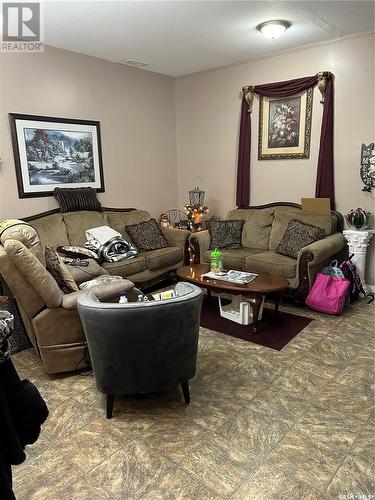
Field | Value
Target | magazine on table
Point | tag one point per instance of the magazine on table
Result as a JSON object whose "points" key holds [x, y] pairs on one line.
{"points": [[231, 276]]}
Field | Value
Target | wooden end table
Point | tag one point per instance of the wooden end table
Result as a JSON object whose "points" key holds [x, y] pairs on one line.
{"points": [[263, 284]]}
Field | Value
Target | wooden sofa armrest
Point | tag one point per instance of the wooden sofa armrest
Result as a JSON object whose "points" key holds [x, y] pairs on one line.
{"points": [[311, 257], [322, 250]]}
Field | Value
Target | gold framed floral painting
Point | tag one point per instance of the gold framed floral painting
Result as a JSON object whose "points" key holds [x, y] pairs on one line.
{"points": [[285, 127]]}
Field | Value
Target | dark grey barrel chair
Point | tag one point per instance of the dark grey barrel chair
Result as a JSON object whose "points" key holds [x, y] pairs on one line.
{"points": [[142, 347]]}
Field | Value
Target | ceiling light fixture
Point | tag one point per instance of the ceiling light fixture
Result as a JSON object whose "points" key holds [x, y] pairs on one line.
{"points": [[273, 29]]}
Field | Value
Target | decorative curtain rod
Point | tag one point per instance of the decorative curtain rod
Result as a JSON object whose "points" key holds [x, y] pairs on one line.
{"points": [[324, 187], [322, 78]]}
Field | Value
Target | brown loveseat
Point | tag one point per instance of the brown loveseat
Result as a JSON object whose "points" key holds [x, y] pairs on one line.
{"points": [[51, 317], [262, 232]]}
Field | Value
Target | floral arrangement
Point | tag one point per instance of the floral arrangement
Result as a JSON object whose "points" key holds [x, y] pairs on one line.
{"points": [[284, 126]]}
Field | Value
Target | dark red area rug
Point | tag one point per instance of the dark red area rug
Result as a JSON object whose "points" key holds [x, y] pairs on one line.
{"points": [[273, 331]]}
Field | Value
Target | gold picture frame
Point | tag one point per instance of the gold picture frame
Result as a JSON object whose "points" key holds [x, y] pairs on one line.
{"points": [[285, 126]]}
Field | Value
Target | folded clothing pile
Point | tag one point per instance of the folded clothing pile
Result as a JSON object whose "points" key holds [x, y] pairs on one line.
{"points": [[108, 244]]}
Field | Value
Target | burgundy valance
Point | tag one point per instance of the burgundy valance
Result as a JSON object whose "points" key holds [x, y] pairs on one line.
{"points": [[324, 180]]}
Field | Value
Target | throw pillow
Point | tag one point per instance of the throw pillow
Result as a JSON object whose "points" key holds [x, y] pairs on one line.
{"points": [[59, 271], [147, 235], [84, 273], [99, 281], [77, 252], [226, 233], [298, 235], [75, 199]]}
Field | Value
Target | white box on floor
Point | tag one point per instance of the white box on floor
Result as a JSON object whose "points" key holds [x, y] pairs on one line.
{"points": [[239, 310]]}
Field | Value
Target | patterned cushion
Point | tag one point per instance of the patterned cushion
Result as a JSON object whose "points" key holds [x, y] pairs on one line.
{"points": [[84, 273], [77, 252], [226, 233], [298, 235], [74, 199], [99, 281], [147, 235], [59, 271]]}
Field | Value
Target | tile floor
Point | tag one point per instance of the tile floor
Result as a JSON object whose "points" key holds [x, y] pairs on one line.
{"points": [[262, 424]]}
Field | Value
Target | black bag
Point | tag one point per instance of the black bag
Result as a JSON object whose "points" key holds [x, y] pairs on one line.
{"points": [[350, 272]]}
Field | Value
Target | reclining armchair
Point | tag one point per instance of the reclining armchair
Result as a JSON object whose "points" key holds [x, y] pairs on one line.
{"points": [[50, 316], [141, 347]]}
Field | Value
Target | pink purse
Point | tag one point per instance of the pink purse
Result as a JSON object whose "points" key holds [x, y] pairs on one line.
{"points": [[327, 294]]}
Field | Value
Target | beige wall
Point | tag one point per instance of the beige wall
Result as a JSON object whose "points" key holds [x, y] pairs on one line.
{"points": [[207, 117], [137, 116], [138, 125]]}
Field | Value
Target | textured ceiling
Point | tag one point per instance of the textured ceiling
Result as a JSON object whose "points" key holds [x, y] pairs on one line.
{"points": [[182, 37]]}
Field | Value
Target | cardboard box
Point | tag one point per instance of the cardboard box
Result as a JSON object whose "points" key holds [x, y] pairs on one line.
{"points": [[316, 206]]}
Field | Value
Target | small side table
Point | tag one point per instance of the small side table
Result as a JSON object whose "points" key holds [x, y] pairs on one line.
{"points": [[358, 243]]}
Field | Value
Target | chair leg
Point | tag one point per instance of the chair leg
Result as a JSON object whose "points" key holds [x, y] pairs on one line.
{"points": [[186, 392], [110, 401]]}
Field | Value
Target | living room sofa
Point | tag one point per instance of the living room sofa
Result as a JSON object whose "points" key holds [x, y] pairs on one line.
{"points": [[50, 316], [57, 229], [262, 232]]}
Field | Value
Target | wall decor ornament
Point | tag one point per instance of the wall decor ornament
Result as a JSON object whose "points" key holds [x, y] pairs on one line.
{"points": [[357, 219], [285, 127], [368, 167], [55, 152], [249, 97], [323, 77]]}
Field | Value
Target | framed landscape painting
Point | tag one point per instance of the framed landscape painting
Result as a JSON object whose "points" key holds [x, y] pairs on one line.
{"points": [[55, 152], [285, 127]]}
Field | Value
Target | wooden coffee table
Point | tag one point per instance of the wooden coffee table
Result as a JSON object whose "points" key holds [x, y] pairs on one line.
{"points": [[263, 284]]}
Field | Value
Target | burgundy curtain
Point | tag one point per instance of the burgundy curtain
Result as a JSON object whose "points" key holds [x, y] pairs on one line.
{"points": [[285, 89], [324, 180], [324, 187], [244, 148]]}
